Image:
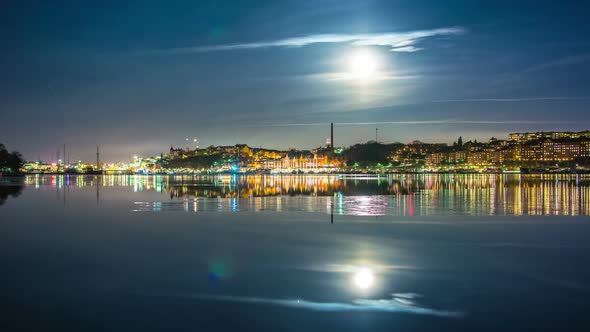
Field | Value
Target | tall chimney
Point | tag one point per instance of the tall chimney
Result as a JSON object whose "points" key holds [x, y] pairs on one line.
{"points": [[332, 136]]}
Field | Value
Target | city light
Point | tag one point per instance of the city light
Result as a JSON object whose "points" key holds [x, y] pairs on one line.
{"points": [[520, 153]]}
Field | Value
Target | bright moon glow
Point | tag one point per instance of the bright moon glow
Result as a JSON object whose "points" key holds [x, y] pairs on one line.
{"points": [[363, 66], [363, 278]]}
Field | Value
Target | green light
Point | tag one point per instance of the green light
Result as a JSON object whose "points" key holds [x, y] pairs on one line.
{"points": [[218, 268]]}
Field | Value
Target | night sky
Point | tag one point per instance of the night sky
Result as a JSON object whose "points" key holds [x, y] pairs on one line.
{"points": [[138, 76]]}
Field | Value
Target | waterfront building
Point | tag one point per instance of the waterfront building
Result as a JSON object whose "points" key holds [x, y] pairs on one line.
{"points": [[564, 149], [555, 135]]}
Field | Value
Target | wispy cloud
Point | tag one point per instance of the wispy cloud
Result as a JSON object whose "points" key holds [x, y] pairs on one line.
{"points": [[396, 304], [417, 122], [345, 76], [396, 41], [565, 61], [509, 100], [408, 49], [346, 268], [507, 79], [528, 245]]}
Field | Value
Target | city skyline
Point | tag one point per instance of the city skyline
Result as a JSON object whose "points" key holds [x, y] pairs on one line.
{"points": [[138, 78], [62, 156], [528, 152]]}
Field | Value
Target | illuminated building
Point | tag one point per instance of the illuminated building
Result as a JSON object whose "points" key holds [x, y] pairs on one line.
{"points": [[565, 149], [556, 135], [437, 158]]}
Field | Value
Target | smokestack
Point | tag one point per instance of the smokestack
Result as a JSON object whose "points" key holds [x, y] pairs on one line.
{"points": [[332, 136]]}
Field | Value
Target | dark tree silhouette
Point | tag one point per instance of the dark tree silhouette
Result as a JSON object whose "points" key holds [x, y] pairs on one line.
{"points": [[10, 161], [370, 153]]}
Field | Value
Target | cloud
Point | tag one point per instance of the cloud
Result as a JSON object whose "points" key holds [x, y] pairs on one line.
{"points": [[392, 305], [565, 61], [407, 295], [408, 49], [345, 76], [396, 41], [351, 268], [416, 122], [528, 245], [569, 60], [502, 100]]}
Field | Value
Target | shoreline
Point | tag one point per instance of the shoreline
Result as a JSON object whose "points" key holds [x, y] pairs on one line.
{"points": [[299, 173]]}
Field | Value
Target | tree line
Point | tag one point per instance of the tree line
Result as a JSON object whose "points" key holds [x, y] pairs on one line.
{"points": [[10, 161]]}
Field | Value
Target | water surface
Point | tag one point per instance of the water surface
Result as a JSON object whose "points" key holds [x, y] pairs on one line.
{"points": [[283, 253]]}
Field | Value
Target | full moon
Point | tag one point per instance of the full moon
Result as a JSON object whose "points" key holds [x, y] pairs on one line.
{"points": [[363, 65], [363, 278]]}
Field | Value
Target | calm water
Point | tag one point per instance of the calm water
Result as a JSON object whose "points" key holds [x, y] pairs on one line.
{"points": [[295, 253]]}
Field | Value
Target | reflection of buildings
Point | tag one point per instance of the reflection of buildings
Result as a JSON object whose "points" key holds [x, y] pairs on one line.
{"points": [[395, 195], [229, 186]]}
